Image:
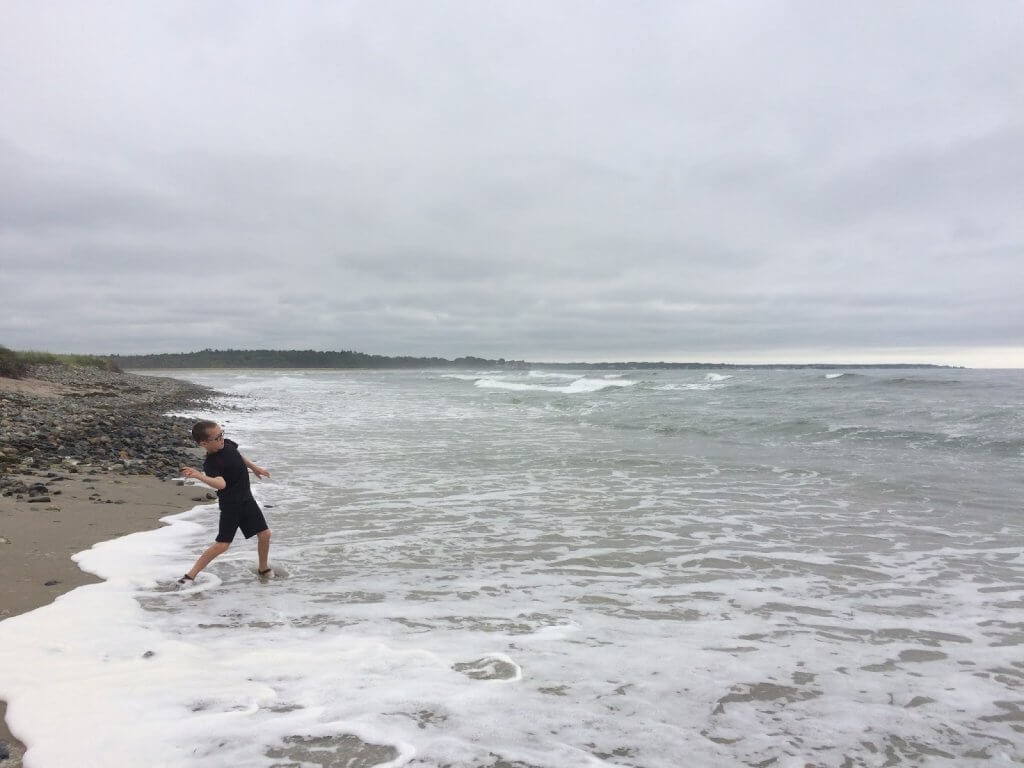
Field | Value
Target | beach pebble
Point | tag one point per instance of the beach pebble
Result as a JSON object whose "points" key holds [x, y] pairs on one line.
{"points": [[51, 583], [5, 751], [148, 655], [103, 421]]}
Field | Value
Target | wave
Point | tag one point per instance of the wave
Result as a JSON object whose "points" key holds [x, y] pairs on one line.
{"points": [[811, 431], [717, 377], [885, 381], [549, 375], [906, 381], [577, 387], [706, 386], [1009, 446]]}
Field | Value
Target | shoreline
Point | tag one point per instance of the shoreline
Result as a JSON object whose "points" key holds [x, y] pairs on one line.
{"points": [[85, 457], [37, 544]]}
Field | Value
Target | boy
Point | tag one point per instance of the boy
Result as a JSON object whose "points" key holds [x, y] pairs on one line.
{"points": [[224, 469]]}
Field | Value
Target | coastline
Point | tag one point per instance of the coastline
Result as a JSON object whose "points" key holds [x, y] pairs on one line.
{"points": [[108, 473], [38, 543]]}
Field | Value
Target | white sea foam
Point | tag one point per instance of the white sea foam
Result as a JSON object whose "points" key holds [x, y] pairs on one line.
{"points": [[578, 386], [702, 386], [550, 375], [474, 579], [718, 377]]}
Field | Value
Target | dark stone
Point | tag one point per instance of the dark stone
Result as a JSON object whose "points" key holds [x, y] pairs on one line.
{"points": [[51, 583], [105, 419], [5, 751], [34, 499], [148, 655]]}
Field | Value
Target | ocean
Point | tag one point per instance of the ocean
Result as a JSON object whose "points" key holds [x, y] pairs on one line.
{"points": [[537, 569]]}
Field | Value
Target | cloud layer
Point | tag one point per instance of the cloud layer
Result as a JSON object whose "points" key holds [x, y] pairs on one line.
{"points": [[570, 180]]}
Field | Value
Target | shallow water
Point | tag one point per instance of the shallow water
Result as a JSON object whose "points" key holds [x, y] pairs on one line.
{"points": [[641, 568]]}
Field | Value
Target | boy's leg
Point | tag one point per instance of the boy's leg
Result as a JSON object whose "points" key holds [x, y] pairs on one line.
{"points": [[215, 549], [263, 548]]}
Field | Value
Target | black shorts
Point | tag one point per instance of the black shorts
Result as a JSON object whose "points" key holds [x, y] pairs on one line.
{"points": [[248, 517]]}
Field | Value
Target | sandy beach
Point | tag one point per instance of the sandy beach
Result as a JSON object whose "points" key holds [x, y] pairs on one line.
{"points": [[38, 540], [96, 500]]}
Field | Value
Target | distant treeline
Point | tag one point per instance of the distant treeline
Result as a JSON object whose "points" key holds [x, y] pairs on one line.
{"points": [[735, 366], [294, 358], [308, 358]]}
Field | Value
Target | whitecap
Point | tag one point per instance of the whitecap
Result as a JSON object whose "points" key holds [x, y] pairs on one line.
{"points": [[579, 386], [550, 375]]}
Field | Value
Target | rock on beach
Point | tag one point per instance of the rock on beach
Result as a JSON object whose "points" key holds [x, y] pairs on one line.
{"points": [[81, 428], [67, 421]]}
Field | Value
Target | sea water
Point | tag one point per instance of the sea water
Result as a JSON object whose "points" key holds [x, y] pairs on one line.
{"points": [[537, 569]]}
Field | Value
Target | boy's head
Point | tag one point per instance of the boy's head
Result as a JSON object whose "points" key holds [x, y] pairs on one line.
{"points": [[208, 434]]}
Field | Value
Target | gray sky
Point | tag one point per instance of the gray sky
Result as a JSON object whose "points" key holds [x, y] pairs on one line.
{"points": [[739, 182]]}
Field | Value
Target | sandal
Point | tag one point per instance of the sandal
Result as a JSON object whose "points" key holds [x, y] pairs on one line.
{"points": [[185, 579]]}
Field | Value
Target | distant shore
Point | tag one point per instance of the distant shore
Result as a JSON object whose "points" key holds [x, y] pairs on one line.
{"points": [[313, 359], [85, 456]]}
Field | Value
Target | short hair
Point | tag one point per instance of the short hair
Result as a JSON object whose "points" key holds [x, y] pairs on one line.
{"points": [[201, 430]]}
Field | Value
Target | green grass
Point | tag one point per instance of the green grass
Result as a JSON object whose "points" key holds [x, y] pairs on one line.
{"points": [[15, 365]]}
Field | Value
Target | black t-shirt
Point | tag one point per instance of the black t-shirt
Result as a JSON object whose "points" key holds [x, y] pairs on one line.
{"points": [[227, 463]]}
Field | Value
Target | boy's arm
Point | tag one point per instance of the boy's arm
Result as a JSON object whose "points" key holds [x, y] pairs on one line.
{"points": [[218, 483], [258, 471]]}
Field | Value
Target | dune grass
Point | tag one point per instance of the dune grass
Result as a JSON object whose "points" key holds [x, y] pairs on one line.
{"points": [[15, 365]]}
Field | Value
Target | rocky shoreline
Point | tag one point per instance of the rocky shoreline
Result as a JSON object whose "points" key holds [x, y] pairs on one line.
{"points": [[66, 420], [72, 438]]}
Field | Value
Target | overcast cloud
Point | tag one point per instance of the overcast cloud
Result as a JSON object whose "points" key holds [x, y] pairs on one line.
{"points": [[748, 181]]}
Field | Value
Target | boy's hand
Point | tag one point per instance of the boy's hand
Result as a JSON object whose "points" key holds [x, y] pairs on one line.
{"points": [[260, 472], [191, 473]]}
